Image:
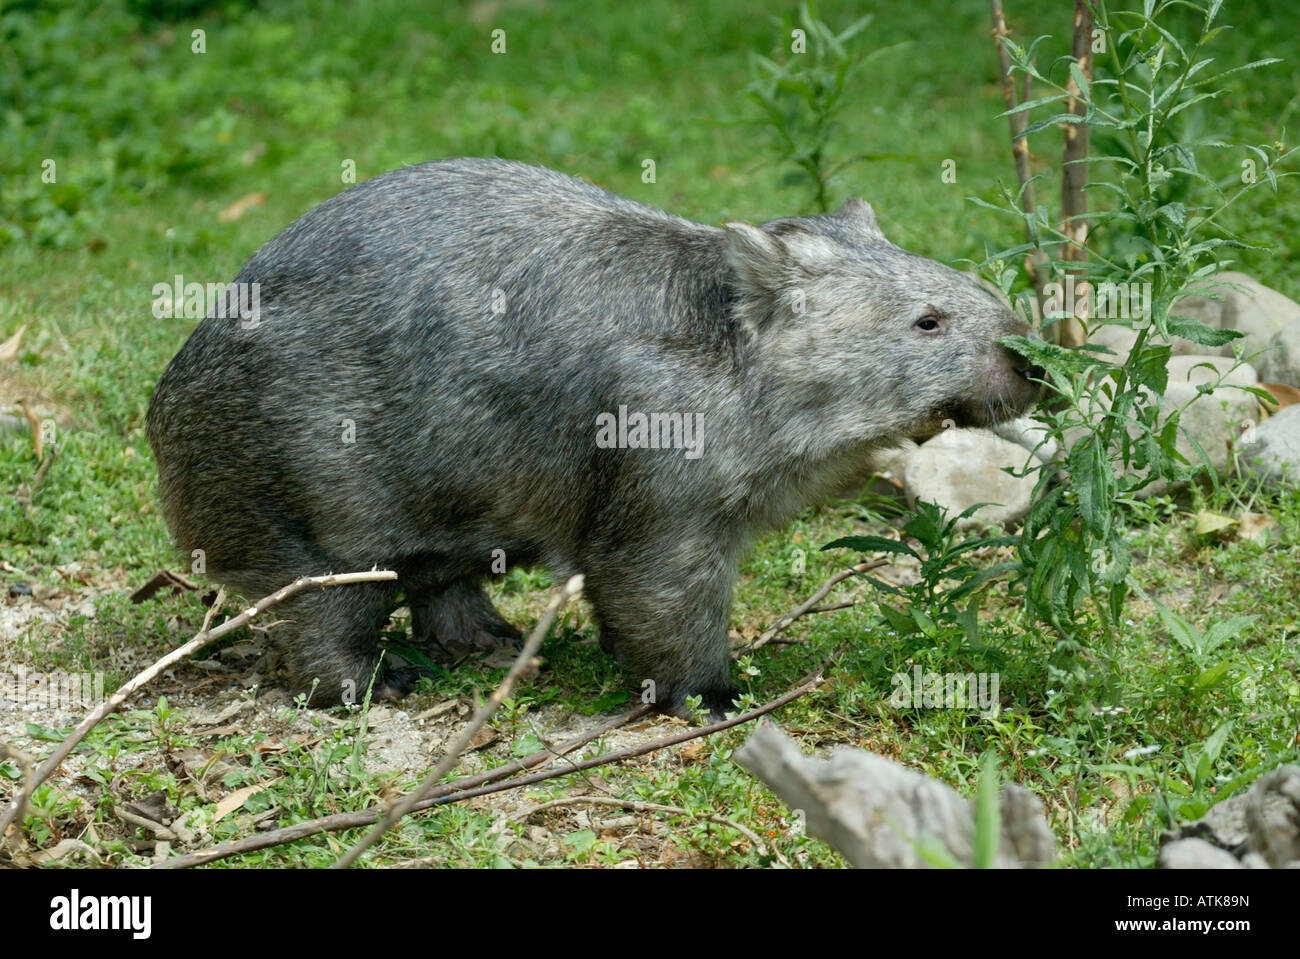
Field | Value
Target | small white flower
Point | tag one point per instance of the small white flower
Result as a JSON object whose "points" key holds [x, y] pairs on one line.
{"points": [[1141, 751]]}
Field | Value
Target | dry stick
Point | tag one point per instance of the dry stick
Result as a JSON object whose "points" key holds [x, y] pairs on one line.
{"points": [[204, 637], [10, 751], [830, 608], [371, 814], [1074, 171], [41, 470], [807, 605], [1019, 146], [365, 817], [637, 806], [399, 808], [813, 681]]}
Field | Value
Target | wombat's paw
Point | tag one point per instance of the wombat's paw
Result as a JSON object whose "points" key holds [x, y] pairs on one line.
{"points": [[397, 683], [716, 702]]}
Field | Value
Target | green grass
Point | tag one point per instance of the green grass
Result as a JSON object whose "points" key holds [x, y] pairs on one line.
{"points": [[153, 141]]}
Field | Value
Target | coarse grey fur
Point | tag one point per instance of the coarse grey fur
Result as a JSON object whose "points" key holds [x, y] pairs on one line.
{"points": [[471, 319]]}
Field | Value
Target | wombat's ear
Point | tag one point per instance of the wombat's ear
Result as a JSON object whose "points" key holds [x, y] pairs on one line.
{"points": [[760, 260], [860, 213]]}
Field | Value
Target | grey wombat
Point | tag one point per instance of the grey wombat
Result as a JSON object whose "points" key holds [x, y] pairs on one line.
{"points": [[472, 356]]}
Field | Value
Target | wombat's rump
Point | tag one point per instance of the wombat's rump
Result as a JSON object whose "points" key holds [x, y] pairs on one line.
{"points": [[473, 356]]}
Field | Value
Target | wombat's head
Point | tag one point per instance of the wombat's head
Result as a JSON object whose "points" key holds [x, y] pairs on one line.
{"points": [[884, 341]]}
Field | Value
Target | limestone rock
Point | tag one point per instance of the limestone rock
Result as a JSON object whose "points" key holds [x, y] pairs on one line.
{"points": [[961, 467]]}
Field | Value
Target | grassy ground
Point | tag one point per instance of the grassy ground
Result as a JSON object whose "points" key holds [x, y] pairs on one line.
{"points": [[153, 141]]}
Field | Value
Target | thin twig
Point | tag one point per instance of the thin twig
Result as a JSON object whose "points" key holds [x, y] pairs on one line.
{"points": [[807, 605], [638, 806], [399, 808], [1019, 148], [205, 637], [1074, 173], [25, 763], [481, 786], [41, 470]]}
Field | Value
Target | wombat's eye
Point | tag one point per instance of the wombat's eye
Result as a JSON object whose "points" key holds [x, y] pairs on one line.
{"points": [[928, 324]]}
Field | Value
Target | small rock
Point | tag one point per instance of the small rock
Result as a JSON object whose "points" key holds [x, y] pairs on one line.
{"points": [[1257, 311], [1272, 449], [1273, 817], [1281, 363], [961, 467], [1214, 420], [1196, 854], [1118, 339], [1030, 435], [1258, 829]]}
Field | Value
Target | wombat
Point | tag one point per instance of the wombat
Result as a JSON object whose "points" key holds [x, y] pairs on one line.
{"points": [[477, 360]]}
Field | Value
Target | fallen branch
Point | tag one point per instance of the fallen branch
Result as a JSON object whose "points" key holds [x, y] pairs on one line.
{"points": [[810, 604], [399, 808], [462, 789], [881, 815], [204, 637]]}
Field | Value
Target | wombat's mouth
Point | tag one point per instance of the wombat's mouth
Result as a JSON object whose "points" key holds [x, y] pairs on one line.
{"points": [[964, 414]]}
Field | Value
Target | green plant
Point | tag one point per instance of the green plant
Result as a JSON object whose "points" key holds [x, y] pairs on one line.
{"points": [[800, 99], [931, 602], [1105, 413]]}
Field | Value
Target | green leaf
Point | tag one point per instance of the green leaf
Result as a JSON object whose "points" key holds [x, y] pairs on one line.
{"points": [[578, 843], [1152, 369], [1204, 766], [1199, 333], [872, 544], [901, 622], [1080, 81], [988, 814], [1220, 632], [1212, 676], [926, 624], [1031, 104], [1214, 745], [1182, 631], [1071, 118], [1053, 358]]}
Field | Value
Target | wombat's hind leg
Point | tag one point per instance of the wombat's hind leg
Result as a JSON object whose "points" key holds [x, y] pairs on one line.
{"points": [[331, 639], [459, 619]]}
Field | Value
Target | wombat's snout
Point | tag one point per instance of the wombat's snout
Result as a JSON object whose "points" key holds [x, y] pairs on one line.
{"points": [[1011, 385], [1025, 382], [1020, 382]]}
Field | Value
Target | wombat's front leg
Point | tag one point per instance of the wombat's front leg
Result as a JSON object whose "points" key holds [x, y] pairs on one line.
{"points": [[667, 621], [331, 639]]}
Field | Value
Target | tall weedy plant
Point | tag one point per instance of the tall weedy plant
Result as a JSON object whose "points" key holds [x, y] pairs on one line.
{"points": [[800, 99], [1146, 242]]}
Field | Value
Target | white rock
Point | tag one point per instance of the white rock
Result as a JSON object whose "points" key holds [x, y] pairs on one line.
{"points": [[1255, 310], [961, 467], [1281, 363], [1029, 434], [1215, 420], [1118, 339], [1273, 447]]}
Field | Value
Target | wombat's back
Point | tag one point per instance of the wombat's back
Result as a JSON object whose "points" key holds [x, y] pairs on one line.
{"points": [[430, 353]]}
